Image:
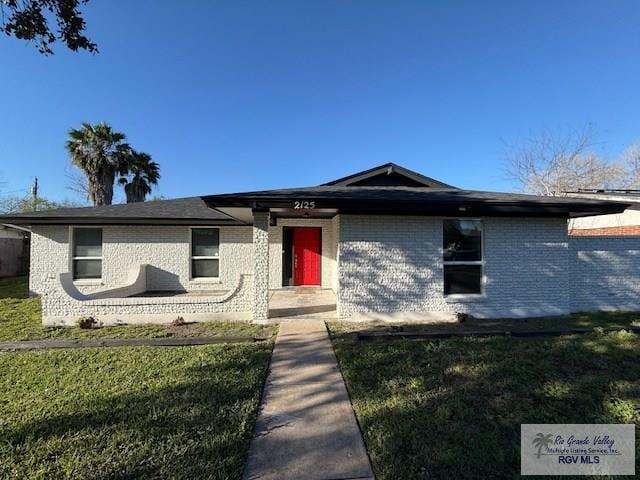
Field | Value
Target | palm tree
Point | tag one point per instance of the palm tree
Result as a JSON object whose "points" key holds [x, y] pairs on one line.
{"points": [[541, 441], [101, 154], [142, 174]]}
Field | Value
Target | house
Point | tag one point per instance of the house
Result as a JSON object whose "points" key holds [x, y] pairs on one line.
{"points": [[14, 250], [625, 223], [386, 243]]}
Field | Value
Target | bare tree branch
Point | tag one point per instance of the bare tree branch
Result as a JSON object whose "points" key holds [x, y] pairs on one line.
{"points": [[630, 158], [77, 182], [553, 163]]}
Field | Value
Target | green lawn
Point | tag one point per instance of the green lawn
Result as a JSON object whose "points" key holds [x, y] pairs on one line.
{"points": [[180, 413], [20, 319], [453, 408]]}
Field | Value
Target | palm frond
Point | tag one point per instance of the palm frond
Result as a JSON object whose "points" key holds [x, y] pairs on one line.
{"points": [[98, 151]]}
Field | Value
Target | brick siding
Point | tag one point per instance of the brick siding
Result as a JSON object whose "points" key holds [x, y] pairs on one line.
{"points": [[376, 264], [606, 231], [394, 264], [605, 273], [164, 248]]}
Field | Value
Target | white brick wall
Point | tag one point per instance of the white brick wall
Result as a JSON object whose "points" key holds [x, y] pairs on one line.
{"points": [[335, 241], [394, 264], [49, 256], [58, 308], [605, 273], [261, 266], [164, 248], [376, 264]]}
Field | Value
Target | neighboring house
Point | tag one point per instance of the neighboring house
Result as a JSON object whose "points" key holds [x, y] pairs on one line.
{"points": [[387, 243], [625, 223], [14, 250]]}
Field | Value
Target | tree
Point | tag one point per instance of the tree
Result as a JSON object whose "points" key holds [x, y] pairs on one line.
{"points": [[77, 182], [30, 20], [551, 164], [29, 203], [631, 162], [101, 154], [142, 174]]}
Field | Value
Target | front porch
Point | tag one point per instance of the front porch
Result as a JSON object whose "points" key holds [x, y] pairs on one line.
{"points": [[302, 303], [294, 265]]}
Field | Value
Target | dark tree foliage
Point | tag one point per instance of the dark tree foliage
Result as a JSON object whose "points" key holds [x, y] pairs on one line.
{"points": [[30, 20], [142, 174]]}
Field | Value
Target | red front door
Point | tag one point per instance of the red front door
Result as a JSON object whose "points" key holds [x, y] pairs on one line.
{"points": [[306, 256]]}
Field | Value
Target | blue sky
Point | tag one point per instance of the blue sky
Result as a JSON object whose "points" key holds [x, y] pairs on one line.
{"points": [[233, 96]]}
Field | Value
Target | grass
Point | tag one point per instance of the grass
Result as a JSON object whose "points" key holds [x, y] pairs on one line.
{"points": [[142, 412], [139, 412], [14, 287], [453, 408], [20, 319]]}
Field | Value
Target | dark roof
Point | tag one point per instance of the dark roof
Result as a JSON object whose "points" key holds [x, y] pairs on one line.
{"points": [[387, 189], [621, 193], [632, 191], [388, 174], [190, 210], [417, 201]]}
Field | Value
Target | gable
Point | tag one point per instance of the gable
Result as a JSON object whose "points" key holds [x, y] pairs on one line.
{"points": [[388, 175], [392, 179]]}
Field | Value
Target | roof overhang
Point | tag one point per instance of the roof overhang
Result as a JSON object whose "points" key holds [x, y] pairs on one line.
{"points": [[116, 221], [10, 226], [326, 206], [323, 202], [178, 211]]}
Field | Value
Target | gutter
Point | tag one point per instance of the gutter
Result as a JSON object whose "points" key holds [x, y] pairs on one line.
{"points": [[16, 227]]}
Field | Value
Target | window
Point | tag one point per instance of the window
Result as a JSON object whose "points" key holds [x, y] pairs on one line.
{"points": [[87, 253], [462, 255], [205, 260]]}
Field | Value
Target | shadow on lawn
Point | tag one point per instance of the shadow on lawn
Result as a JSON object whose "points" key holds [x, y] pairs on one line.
{"points": [[200, 428], [453, 408], [14, 287]]}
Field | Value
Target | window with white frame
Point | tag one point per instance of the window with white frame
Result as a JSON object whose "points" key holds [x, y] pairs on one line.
{"points": [[462, 256], [205, 253], [87, 253]]}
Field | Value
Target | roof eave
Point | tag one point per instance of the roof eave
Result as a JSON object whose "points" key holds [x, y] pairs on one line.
{"points": [[464, 207], [117, 221]]}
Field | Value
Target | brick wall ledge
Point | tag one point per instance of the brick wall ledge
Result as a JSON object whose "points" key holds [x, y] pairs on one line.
{"points": [[139, 285]]}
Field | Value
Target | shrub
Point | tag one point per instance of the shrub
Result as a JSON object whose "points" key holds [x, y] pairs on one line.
{"points": [[88, 323], [178, 322]]}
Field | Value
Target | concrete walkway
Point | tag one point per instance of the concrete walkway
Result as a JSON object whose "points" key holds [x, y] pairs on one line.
{"points": [[306, 428]]}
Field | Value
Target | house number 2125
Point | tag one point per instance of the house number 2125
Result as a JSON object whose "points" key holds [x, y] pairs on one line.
{"points": [[304, 204]]}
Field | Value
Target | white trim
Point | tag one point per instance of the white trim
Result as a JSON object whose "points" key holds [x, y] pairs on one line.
{"points": [[88, 281], [72, 257], [461, 297], [208, 257]]}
